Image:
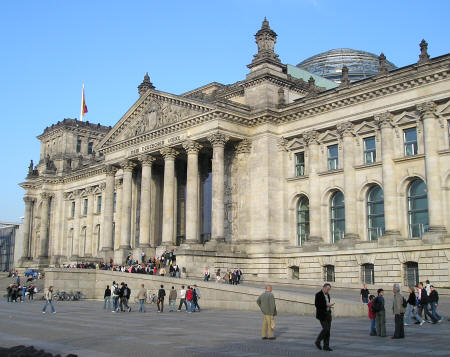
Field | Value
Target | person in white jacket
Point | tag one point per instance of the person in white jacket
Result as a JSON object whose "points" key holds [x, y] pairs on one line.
{"points": [[49, 300]]}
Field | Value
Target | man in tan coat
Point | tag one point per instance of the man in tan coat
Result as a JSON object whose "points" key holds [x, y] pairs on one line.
{"points": [[399, 312], [266, 302], [142, 296]]}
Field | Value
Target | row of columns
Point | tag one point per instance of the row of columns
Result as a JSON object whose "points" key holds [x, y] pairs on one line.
{"points": [[192, 148]]}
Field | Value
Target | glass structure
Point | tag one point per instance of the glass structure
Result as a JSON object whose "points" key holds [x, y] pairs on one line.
{"points": [[375, 213], [337, 216], [302, 220], [417, 209], [360, 64]]}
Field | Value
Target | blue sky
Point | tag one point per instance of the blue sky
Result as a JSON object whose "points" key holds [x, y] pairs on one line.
{"points": [[49, 48]]}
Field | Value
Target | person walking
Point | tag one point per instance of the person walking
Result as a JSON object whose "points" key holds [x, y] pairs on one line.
{"points": [[116, 296], [142, 296], [372, 316], [380, 313], [323, 314], [412, 308], [126, 297], [398, 308], [107, 298], [266, 302], [189, 296], [364, 295], [182, 299], [161, 295], [49, 300], [434, 300], [172, 299], [424, 304], [195, 298]]}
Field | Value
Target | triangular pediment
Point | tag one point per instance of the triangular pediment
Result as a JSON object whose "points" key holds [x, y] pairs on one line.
{"points": [[405, 118], [365, 128], [154, 110], [444, 110], [328, 136], [295, 144]]}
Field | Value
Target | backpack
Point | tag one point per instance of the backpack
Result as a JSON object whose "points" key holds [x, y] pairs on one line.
{"points": [[375, 306], [116, 290], [404, 302]]}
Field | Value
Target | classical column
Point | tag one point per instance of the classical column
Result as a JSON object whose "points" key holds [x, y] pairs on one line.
{"points": [[315, 229], [192, 217], [432, 170], [345, 130], [76, 225], [27, 224], [89, 222], [44, 238], [242, 151], [218, 141], [169, 155], [118, 213], [384, 121], [144, 222], [108, 211], [125, 231]]}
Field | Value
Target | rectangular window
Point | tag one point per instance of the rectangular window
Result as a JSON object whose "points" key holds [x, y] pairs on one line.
{"points": [[332, 157], [72, 209], [90, 147], [370, 151], [78, 145], [299, 164], [329, 273], [410, 140], [368, 273], [99, 204], [85, 207], [114, 201]]}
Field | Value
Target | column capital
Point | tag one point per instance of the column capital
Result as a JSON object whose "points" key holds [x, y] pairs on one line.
{"points": [[191, 146], [119, 183], [426, 109], [128, 165], [218, 139], [168, 153], [28, 199], [146, 159], [110, 170], [345, 129], [244, 146], [384, 120], [46, 195], [311, 137], [102, 186]]}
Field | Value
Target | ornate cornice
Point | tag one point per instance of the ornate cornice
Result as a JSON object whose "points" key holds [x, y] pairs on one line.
{"points": [[218, 139], [244, 146], [46, 195], [168, 153], [191, 146]]}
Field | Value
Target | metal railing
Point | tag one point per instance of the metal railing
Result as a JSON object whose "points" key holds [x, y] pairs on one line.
{"points": [[417, 230], [375, 232]]}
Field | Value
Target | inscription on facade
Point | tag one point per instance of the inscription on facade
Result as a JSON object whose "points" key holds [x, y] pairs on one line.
{"points": [[157, 145]]}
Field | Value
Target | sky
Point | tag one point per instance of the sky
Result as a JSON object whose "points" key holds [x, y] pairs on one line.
{"points": [[50, 48]]}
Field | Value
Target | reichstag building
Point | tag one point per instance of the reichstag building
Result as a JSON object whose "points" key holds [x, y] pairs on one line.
{"points": [[336, 169]]}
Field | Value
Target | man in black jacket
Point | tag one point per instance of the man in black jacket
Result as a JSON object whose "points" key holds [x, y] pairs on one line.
{"points": [[434, 300], [160, 302], [323, 314]]}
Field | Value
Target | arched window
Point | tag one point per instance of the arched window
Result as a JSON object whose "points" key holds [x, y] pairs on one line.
{"points": [[337, 216], [417, 209], [368, 273], [411, 273], [302, 220], [375, 213]]}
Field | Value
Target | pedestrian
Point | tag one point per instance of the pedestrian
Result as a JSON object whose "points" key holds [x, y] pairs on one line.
{"points": [[195, 298], [126, 296], [172, 299], [142, 296], [364, 295], [24, 290], [380, 313], [189, 295], [116, 296], [9, 293], [206, 274], [424, 304], [412, 308], [372, 316], [434, 300], [161, 295], [122, 296], [31, 292], [49, 300], [182, 299], [107, 298], [266, 302], [323, 314], [398, 308]]}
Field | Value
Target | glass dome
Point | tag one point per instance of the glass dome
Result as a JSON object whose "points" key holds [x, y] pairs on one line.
{"points": [[329, 64]]}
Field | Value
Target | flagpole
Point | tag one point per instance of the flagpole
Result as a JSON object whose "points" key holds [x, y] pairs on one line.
{"points": [[82, 95]]}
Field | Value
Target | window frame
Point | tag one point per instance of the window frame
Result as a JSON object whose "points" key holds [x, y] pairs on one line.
{"points": [[412, 211], [79, 144], [333, 161], [299, 166], [90, 147], [370, 269], [334, 221], [72, 209], [407, 144], [373, 151], [85, 206], [369, 204], [99, 204], [302, 226], [415, 266], [329, 270]]}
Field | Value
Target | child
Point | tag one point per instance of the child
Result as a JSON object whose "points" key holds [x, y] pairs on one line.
{"points": [[373, 331]]}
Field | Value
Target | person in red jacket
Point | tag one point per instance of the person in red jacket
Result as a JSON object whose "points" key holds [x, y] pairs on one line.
{"points": [[189, 301], [372, 316]]}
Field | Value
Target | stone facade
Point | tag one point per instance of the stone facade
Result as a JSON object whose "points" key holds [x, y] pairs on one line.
{"points": [[272, 174]]}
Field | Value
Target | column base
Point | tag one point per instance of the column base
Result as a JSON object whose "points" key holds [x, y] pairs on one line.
{"points": [[42, 262], [389, 239], [108, 254], [436, 234], [352, 236]]}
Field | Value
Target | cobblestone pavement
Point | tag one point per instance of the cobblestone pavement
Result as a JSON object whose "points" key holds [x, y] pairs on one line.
{"points": [[85, 329]]}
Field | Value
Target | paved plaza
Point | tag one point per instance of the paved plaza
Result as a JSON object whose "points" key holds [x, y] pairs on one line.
{"points": [[83, 328]]}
